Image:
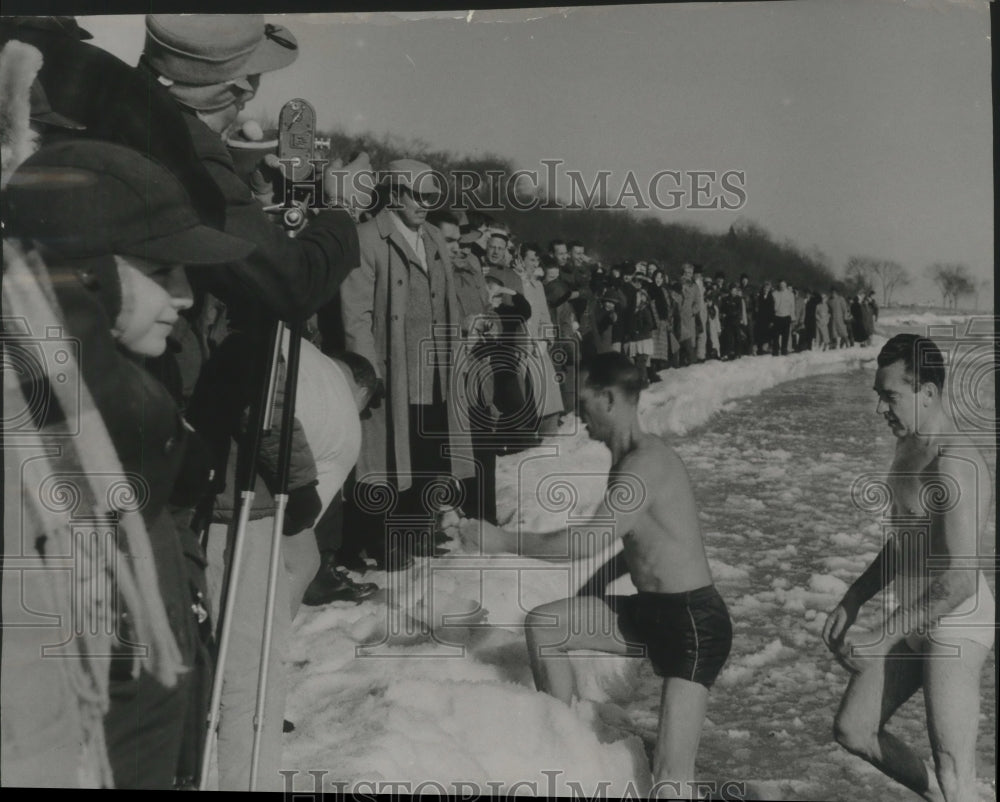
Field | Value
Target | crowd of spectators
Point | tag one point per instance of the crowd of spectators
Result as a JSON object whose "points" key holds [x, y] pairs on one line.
{"points": [[435, 342]]}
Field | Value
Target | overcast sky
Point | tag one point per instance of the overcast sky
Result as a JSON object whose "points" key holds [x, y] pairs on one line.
{"points": [[863, 127]]}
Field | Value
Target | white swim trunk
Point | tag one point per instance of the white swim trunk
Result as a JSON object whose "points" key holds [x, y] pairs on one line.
{"points": [[974, 619]]}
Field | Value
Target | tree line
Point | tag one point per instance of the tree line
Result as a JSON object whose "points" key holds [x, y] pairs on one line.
{"points": [[617, 235]]}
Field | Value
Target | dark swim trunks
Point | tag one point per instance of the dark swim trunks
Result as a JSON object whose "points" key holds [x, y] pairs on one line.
{"points": [[686, 635]]}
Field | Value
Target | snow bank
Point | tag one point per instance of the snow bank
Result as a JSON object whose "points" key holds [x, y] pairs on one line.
{"points": [[894, 318], [538, 489], [688, 397]]}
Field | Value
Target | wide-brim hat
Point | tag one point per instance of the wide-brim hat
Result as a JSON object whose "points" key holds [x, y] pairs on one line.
{"points": [[83, 198], [203, 49], [416, 176]]}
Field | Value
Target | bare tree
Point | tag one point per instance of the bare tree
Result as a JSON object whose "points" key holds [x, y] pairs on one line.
{"points": [[891, 276], [867, 273], [859, 272], [984, 284], [954, 281]]}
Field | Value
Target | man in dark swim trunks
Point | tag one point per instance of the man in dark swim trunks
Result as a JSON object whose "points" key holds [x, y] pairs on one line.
{"points": [[677, 618]]}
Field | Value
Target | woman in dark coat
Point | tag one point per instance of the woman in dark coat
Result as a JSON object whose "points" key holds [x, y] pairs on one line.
{"points": [[664, 319]]}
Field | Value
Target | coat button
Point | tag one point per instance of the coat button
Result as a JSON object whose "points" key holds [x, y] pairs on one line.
{"points": [[395, 317], [399, 282]]}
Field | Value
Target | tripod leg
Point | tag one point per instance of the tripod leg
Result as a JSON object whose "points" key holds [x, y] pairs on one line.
{"points": [[246, 482], [275, 565]]}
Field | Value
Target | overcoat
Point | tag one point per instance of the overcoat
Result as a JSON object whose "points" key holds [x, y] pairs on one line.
{"points": [[374, 299]]}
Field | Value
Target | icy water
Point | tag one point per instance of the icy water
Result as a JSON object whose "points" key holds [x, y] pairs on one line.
{"points": [[772, 478]]}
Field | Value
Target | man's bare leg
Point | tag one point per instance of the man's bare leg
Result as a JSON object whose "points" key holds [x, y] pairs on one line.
{"points": [[682, 713], [551, 630], [872, 696], [951, 693]]}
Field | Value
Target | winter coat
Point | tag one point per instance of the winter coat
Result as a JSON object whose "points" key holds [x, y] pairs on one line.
{"points": [[602, 336], [764, 316], [731, 310], [557, 294], [823, 316], [750, 299], [642, 324], [470, 288], [539, 330], [838, 317], [374, 299], [690, 306], [809, 319]]}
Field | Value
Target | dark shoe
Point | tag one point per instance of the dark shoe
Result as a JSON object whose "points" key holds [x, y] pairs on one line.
{"points": [[357, 563], [287, 726], [331, 585]]}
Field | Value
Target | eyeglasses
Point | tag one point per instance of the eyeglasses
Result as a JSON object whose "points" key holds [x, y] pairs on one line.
{"points": [[425, 199], [247, 85]]}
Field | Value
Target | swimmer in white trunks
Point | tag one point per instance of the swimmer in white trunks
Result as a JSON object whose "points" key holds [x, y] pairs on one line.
{"points": [[940, 634]]}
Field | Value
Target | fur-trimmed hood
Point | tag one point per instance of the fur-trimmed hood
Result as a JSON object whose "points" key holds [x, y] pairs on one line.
{"points": [[19, 64]]}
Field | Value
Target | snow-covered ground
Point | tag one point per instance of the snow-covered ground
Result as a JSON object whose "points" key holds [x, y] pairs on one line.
{"points": [[430, 683], [915, 319]]}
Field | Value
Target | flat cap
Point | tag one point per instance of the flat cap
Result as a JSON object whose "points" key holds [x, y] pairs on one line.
{"points": [[84, 198]]}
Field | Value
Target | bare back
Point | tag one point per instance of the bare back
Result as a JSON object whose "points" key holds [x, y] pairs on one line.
{"points": [[664, 550]]}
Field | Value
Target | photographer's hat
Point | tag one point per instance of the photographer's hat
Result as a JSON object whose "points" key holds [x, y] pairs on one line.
{"points": [[204, 49], [85, 198]]}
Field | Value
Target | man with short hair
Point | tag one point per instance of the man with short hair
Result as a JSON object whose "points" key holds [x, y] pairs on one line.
{"points": [[577, 275], [747, 319], [939, 636], [839, 316], [479, 323], [784, 310], [566, 349], [401, 312], [559, 253], [701, 314], [450, 230], [678, 617], [688, 313], [496, 257]]}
